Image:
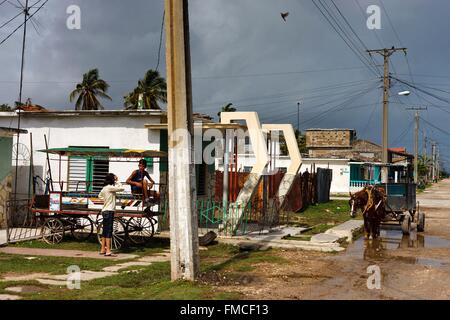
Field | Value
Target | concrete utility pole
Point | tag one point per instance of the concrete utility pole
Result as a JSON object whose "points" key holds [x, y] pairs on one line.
{"points": [[416, 143], [386, 53], [433, 157], [182, 193]]}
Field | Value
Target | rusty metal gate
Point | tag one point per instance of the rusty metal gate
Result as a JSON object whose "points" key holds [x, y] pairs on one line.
{"points": [[22, 223]]}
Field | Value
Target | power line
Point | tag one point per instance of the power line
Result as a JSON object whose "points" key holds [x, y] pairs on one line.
{"points": [[334, 108], [360, 56], [296, 92], [160, 39], [26, 20], [435, 127], [10, 20]]}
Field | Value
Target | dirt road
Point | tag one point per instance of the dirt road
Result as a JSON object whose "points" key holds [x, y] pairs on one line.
{"points": [[412, 267]]}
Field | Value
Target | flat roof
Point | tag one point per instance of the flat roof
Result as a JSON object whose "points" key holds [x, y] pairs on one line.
{"points": [[335, 129], [105, 152], [73, 113], [207, 125]]}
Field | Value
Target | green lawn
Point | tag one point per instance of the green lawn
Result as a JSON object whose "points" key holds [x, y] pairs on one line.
{"points": [[220, 261], [154, 245], [322, 217]]}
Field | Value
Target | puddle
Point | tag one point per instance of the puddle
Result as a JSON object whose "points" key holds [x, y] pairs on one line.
{"points": [[390, 240]]}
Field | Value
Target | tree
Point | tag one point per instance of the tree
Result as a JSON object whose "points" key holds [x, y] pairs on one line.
{"points": [[227, 108], [301, 142], [5, 108], [89, 90], [152, 89]]}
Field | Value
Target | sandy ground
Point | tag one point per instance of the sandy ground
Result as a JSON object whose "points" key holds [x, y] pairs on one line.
{"points": [[411, 267]]}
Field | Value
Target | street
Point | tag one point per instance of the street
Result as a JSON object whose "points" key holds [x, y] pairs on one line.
{"points": [[412, 267]]}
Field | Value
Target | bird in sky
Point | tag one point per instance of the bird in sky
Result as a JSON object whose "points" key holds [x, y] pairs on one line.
{"points": [[284, 15]]}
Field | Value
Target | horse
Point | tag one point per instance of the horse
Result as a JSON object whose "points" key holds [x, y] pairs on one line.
{"points": [[370, 200]]}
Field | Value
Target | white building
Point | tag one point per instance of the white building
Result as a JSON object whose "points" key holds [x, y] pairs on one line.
{"points": [[62, 129]]}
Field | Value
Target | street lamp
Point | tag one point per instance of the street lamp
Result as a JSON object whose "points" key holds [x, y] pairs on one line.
{"points": [[404, 93], [298, 115]]}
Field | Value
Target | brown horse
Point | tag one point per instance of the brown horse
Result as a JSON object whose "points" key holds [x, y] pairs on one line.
{"points": [[371, 201]]}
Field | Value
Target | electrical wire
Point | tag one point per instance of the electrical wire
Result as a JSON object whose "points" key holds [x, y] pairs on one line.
{"points": [[160, 39], [26, 20], [346, 41]]}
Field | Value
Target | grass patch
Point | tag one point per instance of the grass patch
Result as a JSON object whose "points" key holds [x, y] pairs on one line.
{"points": [[150, 283], [154, 245], [322, 217], [301, 237], [20, 265], [226, 258]]}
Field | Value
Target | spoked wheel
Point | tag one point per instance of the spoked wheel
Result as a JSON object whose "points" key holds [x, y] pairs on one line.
{"points": [[118, 235], [140, 230], [53, 231], [82, 228], [98, 218]]}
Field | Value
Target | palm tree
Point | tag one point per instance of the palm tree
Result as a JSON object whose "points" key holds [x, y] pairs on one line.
{"points": [[5, 108], [89, 90], [227, 108], [152, 89]]}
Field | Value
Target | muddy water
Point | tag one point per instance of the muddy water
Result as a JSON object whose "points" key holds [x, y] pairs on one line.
{"points": [[391, 240], [416, 266]]}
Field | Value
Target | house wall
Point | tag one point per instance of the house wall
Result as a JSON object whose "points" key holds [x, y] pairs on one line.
{"points": [[340, 167], [5, 191], [329, 138], [122, 131], [5, 176]]}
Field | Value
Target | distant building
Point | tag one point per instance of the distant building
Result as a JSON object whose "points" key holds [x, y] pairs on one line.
{"points": [[343, 143]]}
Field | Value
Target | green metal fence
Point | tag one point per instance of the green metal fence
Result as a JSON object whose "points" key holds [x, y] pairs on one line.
{"points": [[212, 215]]}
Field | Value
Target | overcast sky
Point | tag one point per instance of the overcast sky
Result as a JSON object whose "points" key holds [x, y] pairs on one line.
{"points": [[244, 53]]}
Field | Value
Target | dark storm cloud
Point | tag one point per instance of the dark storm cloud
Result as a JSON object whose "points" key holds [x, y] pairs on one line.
{"points": [[230, 39]]}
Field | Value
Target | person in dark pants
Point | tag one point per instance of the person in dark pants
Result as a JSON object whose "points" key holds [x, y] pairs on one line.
{"points": [[108, 195], [139, 184]]}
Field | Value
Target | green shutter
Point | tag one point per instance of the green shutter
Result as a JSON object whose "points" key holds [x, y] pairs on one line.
{"points": [[149, 162], [6, 144], [90, 173]]}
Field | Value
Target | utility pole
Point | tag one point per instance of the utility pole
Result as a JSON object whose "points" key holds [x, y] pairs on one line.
{"points": [[416, 143], [386, 53], [184, 245], [26, 14], [433, 157]]}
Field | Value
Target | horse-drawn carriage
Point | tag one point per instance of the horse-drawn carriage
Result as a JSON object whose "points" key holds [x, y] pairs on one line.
{"points": [[384, 203], [74, 207]]}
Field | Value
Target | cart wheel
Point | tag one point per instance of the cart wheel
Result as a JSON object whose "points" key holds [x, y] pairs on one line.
{"points": [[82, 228], [53, 231], [421, 222], [406, 224], [98, 218], [140, 229], [118, 236]]}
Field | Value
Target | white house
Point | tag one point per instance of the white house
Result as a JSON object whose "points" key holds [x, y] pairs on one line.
{"points": [[63, 129]]}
